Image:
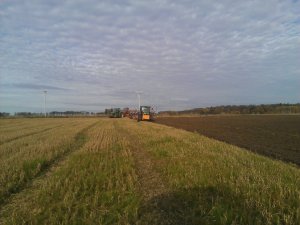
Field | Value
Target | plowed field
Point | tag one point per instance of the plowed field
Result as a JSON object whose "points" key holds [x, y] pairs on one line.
{"points": [[277, 136]]}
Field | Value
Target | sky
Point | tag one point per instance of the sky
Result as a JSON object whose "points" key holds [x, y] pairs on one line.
{"points": [[91, 55]]}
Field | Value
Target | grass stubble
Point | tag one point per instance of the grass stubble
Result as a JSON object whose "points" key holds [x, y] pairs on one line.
{"points": [[94, 185], [21, 128], [204, 182], [25, 158], [212, 182]]}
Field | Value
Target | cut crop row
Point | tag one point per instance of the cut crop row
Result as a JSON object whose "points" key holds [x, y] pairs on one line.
{"points": [[216, 183], [23, 159], [95, 185]]}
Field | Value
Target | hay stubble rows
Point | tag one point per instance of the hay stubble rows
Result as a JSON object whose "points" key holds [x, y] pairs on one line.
{"points": [[123, 172]]}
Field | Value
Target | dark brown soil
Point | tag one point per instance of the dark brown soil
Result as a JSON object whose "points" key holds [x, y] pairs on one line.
{"points": [[277, 136]]}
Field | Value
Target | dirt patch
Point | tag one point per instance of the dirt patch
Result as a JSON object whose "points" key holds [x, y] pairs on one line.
{"points": [[277, 136]]}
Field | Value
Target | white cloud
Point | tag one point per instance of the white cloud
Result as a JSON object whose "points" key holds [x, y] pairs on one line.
{"points": [[201, 51]]}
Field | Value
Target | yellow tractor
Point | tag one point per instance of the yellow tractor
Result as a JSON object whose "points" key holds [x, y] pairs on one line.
{"points": [[145, 114]]}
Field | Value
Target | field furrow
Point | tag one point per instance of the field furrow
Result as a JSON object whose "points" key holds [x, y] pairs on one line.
{"points": [[26, 128], [151, 184], [24, 159], [29, 132], [277, 136], [12, 123]]}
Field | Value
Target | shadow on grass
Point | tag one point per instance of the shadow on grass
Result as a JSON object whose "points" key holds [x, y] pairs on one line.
{"points": [[209, 205]]}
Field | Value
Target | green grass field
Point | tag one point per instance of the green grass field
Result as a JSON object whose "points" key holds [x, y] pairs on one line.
{"points": [[118, 171]]}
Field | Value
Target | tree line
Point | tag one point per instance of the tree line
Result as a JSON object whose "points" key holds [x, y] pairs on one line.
{"points": [[240, 109], [223, 109], [51, 114]]}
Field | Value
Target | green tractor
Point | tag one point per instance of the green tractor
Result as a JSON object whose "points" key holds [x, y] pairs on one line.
{"points": [[115, 113]]}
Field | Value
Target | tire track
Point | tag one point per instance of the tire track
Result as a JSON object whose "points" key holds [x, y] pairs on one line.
{"points": [[80, 140], [29, 134], [151, 184]]}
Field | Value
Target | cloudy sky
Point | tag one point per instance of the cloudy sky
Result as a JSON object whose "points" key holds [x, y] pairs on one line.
{"points": [[91, 55]]}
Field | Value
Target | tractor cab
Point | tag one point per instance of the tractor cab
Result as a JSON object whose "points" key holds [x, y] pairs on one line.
{"points": [[145, 114]]}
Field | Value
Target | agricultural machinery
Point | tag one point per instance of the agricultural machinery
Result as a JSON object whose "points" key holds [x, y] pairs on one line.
{"points": [[126, 112], [145, 114], [115, 113]]}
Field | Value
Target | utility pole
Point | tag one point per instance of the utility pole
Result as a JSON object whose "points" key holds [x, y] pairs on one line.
{"points": [[139, 97], [45, 94]]}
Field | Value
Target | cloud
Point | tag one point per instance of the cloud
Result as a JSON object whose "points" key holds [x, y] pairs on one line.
{"points": [[203, 51], [37, 87]]}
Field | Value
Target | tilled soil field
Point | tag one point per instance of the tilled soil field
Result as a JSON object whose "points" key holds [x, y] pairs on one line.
{"points": [[277, 136]]}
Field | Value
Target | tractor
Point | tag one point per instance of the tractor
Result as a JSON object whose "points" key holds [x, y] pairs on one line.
{"points": [[115, 113], [145, 114]]}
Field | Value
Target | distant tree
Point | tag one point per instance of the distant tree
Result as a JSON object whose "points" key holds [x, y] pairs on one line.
{"points": [[4, 114], [240, 109]]}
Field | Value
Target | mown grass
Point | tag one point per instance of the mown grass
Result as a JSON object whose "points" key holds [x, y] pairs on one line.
{"points": [[206, 181], [216, 183], [95, 185], [12, 129], [25, 158]]}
